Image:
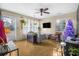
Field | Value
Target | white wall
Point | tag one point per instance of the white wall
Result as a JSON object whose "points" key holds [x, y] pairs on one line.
{"points": [[53, 19], [48, 30], [15, 17], [18, 33]]}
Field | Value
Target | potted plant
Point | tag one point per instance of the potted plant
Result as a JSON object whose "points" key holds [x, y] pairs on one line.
{"points": [[74, 51]]}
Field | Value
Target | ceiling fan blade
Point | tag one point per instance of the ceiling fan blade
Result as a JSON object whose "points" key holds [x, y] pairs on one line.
{"points": [[41, 14], [47, 12], [45, 9]]}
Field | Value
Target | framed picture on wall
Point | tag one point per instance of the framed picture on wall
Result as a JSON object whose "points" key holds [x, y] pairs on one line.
{"points": [[60, 25]]}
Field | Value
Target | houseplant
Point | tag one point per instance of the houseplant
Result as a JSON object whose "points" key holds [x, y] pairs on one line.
{"points": [[74, 51]]}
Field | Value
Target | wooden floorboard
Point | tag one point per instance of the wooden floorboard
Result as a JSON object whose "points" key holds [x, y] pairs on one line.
{"points": [[45, 48]]}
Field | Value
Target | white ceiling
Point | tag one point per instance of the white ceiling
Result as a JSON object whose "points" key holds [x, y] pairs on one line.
{"points": [[29, 9]]}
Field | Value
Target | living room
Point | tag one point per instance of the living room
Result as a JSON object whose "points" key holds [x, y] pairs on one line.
{"points": [[37, 26]]}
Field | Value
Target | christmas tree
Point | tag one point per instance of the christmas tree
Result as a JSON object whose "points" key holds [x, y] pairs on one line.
{"points": [[69, 30]]}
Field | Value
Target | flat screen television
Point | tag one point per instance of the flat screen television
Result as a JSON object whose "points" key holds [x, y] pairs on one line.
{"points": [[47, 25]]}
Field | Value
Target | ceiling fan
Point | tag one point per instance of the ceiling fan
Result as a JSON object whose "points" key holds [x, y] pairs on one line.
{"points": [[43, 10]]}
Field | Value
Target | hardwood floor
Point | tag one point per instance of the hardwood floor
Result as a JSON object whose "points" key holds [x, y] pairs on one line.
{"points": [[46, 48]]}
